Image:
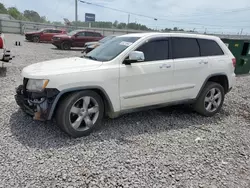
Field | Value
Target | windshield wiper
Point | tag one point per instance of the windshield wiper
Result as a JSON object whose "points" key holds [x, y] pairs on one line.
{"points": [[90, 57]]}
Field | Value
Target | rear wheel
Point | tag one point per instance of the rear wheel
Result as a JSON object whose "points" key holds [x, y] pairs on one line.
{"points": [[36, 39], [66, 46], [80, 113], [211, 99]]}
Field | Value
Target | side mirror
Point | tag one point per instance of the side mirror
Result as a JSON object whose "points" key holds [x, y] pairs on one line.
{"points": [[135, 56]]}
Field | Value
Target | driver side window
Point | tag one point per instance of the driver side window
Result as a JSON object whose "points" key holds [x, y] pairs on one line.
{"points": [[81, 34], [155, 50]]}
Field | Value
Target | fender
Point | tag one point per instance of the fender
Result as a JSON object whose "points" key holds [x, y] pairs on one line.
{"points": [[206, 80], [53, 107]]}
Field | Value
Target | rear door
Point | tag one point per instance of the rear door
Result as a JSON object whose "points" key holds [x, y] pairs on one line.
{"points": [[218, 61], [149, 82], [92, 36], [190, 68]]}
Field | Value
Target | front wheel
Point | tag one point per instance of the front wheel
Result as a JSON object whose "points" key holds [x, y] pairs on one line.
{"points": [[66, 46], [211, 99], [80, 113], [36, 39]]}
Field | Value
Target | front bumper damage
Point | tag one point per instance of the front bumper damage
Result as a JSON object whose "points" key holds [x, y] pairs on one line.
{"points": [[36, 104]]}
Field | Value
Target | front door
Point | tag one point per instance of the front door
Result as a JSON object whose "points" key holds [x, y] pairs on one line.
{"points": [[80, 39], [149, 82]]}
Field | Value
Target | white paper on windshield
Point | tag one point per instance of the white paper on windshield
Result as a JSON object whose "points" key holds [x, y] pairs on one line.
{"points": [[124, 43]]}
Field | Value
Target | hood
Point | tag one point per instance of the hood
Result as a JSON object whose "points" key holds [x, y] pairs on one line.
{"points": [[62, 36], [59, 66]]}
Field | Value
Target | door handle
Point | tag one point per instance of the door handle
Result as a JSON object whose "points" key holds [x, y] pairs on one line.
{"points": [[203, 62], [165, 66]]}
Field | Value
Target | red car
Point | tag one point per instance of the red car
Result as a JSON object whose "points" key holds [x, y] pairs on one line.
{"points": [[44, 35], [76, 38]]}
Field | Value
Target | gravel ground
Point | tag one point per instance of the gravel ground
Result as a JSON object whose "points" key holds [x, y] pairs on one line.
{"points": [[172, 147]]}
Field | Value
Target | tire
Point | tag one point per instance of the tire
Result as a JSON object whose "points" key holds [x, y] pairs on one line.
{"points": [[209, 103], [36, 39], [65, 46], [73, 108]]}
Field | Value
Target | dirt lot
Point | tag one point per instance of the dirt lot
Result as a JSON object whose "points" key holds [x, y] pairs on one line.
{"points": [[173, 147]]}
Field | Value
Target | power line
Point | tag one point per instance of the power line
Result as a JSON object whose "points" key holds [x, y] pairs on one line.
{"points": [[214, 13], [165, 19], [118, 10]]}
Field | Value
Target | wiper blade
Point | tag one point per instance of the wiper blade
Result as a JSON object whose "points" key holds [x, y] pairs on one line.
{"points": [[90, 57]]}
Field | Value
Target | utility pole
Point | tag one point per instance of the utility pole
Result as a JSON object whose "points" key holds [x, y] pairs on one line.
{"points": [[241, 31], [128, 20], [76, 13], [205, 31]]}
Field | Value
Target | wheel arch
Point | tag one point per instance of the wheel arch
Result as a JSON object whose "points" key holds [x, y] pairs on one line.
{"points": [[108, 106], [220, 78], [66, 41]]}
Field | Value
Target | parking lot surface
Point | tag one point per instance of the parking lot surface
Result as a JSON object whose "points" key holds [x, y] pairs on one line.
{"points": [[171, 147]]}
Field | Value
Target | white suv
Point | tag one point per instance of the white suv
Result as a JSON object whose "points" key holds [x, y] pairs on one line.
{"points": [[128, 73]]}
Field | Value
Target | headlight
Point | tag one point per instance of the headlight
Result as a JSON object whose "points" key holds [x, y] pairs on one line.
{"points": [[36, 84]]}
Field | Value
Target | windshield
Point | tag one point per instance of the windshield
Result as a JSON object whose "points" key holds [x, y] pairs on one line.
{"points": [[72, 33], [40, 30], [111, 49], [106, 39]]}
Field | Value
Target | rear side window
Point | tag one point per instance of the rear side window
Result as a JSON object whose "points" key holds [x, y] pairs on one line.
{"points": [[209, 48], [155, 50], [185, 47], [96, 34], [47, 31], [89, 34]]}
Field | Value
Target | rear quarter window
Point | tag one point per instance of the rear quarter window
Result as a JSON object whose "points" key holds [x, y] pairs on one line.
{"points": [[96, 34], [209, 48]]}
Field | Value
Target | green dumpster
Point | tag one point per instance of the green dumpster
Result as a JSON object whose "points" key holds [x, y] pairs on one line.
{"points": [[241, 51]]}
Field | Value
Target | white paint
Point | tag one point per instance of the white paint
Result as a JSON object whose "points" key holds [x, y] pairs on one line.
{"points": [[139, 84]]}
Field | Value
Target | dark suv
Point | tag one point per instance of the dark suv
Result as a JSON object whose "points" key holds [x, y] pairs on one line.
{"points": [[76, 38]]}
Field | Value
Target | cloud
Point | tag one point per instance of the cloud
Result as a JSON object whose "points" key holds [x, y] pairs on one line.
{"points": [[213, 15]]}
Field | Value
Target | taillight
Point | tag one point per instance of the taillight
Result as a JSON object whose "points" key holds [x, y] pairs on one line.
{"points": [[234, 62], [1, 43]]}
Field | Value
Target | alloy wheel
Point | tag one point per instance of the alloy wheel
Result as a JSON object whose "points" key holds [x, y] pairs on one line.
{"points": [[84, 113], [213, 100]]}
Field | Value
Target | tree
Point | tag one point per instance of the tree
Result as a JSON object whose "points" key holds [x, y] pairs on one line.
{"points": [[175, 28], [115, 24], [33, 16], [3, 10], [15, 13], [122, 26]]}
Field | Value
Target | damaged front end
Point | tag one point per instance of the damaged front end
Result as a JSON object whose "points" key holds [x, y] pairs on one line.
{"points": [[36, 104]]}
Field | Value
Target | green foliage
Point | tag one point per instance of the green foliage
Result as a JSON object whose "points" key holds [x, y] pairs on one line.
{"points": [[3, 10], [15, 13], [174, 29]]}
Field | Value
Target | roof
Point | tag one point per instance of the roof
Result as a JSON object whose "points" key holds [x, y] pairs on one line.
{"points": [[170, 34]]}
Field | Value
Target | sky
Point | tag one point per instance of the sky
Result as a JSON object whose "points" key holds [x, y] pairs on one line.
{"points": [[212, 16]]}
